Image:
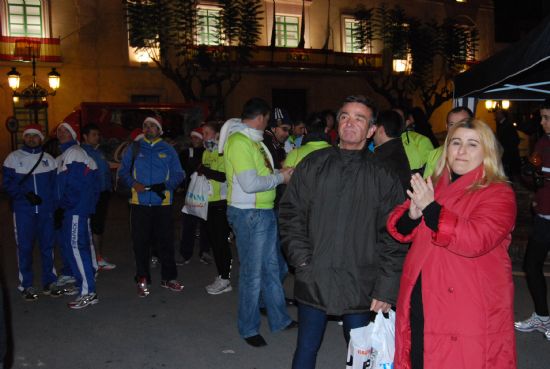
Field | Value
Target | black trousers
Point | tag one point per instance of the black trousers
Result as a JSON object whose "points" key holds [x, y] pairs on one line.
{"points": [[533, 264], [218, 231], [97, 220], [417, 326], [188, 231], [153, 224]]}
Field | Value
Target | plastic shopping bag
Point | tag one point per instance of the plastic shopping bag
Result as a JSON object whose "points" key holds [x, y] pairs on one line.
{"points": [[196, 199], [373, 346]]}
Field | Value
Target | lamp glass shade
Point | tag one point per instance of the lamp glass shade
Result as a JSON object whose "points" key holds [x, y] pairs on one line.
{"points": [[14, 78], [488, 104], [505, 104], [54, 79], [399, 65]]}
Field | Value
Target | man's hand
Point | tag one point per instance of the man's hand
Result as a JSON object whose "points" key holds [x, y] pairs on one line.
{"points": [[33, 198], [377, 305], [287, 173], [138, 187]]}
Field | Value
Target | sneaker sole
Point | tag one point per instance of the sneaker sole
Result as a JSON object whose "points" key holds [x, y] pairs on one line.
{"points": [[77, 307], [226, 289], [172, 289], [529, 330], [106, 267]]}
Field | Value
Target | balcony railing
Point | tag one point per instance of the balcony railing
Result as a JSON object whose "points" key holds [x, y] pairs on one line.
{"points": [[17, 49], [315, 59]]}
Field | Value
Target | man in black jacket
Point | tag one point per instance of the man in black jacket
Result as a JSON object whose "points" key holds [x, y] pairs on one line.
{"points": [[333, 230], [389, 147]]}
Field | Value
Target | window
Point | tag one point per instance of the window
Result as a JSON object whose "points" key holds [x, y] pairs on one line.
{"points": [[25, 18], [350, 42], [286, 30], [209, 26]]}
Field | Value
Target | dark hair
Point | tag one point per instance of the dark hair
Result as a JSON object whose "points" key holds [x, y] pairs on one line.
{"points": [[392, 122], [254, 107], [213, 125], [459, 109], [88, 128], [315, 128], [326, 113], [361, 100], [545, 104]]}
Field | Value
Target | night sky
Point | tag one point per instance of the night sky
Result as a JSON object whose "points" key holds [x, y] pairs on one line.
{"points": [[514, 19]]}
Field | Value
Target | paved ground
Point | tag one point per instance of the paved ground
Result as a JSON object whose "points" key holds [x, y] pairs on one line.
{"points": [[190, 330]]}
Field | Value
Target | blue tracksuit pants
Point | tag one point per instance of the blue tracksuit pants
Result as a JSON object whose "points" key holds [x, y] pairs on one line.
{"points": [[29, 227], [76, 240]]}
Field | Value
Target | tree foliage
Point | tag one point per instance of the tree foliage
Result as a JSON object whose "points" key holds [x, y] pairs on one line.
{"points": [[168, 31], [437, 52]]}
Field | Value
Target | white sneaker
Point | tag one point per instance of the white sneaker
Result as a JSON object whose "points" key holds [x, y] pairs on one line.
{"points": [[103, 264], [547, 335], [65, 279], [219, 286], [533, 323]]}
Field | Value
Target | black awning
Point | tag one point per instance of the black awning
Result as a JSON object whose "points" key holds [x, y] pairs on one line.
{"points": [[519, 72]]}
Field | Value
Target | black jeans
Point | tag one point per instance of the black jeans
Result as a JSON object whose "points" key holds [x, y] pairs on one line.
{"points": [[537, 250], [153, 224], [218, 231], [188, 229]]}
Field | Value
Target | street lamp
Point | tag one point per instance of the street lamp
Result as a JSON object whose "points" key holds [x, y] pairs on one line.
{"points": [[34, 95]]}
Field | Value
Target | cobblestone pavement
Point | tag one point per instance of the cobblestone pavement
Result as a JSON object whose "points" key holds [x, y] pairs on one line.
{"points": [[190, 330]]}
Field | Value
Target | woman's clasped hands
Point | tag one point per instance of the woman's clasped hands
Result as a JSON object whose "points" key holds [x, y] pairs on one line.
{"points": [[422, 195]]}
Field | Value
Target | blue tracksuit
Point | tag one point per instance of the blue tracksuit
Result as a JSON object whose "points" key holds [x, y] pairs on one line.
{"points": [[156, 162], [32, 221], [77, 194], [103, 169]]}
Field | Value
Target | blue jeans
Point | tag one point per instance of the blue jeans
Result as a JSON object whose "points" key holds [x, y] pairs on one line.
{"points": [[256, 235], [311, 330]]}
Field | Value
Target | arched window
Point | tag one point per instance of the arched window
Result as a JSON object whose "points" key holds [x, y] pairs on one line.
{"points": [[25, 18]]}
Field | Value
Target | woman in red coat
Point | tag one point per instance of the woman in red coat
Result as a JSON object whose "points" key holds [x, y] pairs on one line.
{"points": [[455, 304]]}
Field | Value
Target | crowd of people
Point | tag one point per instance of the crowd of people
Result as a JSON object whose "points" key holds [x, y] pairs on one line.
{"points": [[367, 212]]}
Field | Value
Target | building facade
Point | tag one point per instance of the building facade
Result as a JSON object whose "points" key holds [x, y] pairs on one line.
{"points": [[86, 41]]}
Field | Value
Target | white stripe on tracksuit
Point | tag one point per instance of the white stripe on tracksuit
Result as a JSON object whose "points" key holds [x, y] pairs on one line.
{"points": [[92, 247], [20, 287], [76, 254]]}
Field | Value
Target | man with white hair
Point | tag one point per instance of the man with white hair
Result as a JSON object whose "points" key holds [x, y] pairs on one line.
{"points": [[29, 179], [77, 195], [152, 175]]}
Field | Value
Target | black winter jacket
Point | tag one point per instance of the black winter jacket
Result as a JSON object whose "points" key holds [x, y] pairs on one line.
{"points": [[333, 230]]}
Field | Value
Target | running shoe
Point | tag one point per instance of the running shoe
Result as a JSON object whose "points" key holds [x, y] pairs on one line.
{"points": [[142, 288], [65, 279], [29, 294], [172, 285], [103, 264], [220, 285], [84, 301], [533, 323]]}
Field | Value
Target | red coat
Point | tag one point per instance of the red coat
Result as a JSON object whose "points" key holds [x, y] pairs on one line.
{"points": [[467, 288]]}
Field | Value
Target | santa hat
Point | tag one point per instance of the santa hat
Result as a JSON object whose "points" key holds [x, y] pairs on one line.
{"points": [[197, 132], [34, 129], [72, 128], [155, 120], [136, 134]]}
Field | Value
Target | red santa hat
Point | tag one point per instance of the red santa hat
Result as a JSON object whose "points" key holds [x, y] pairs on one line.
{"points": [[136, 134], [72, 128], [34, 129], [197, 132], [155, 120]]}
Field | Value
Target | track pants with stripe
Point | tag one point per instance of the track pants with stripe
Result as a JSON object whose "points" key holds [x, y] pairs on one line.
{"points": [[29, 227], [77, 243]]}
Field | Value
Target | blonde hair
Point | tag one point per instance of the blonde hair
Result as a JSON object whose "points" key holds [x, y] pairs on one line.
{"points": [[493, 171]]}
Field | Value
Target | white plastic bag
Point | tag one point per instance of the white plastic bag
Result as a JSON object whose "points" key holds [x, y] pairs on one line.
{"points": [[373, 346], [196, 199]]}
